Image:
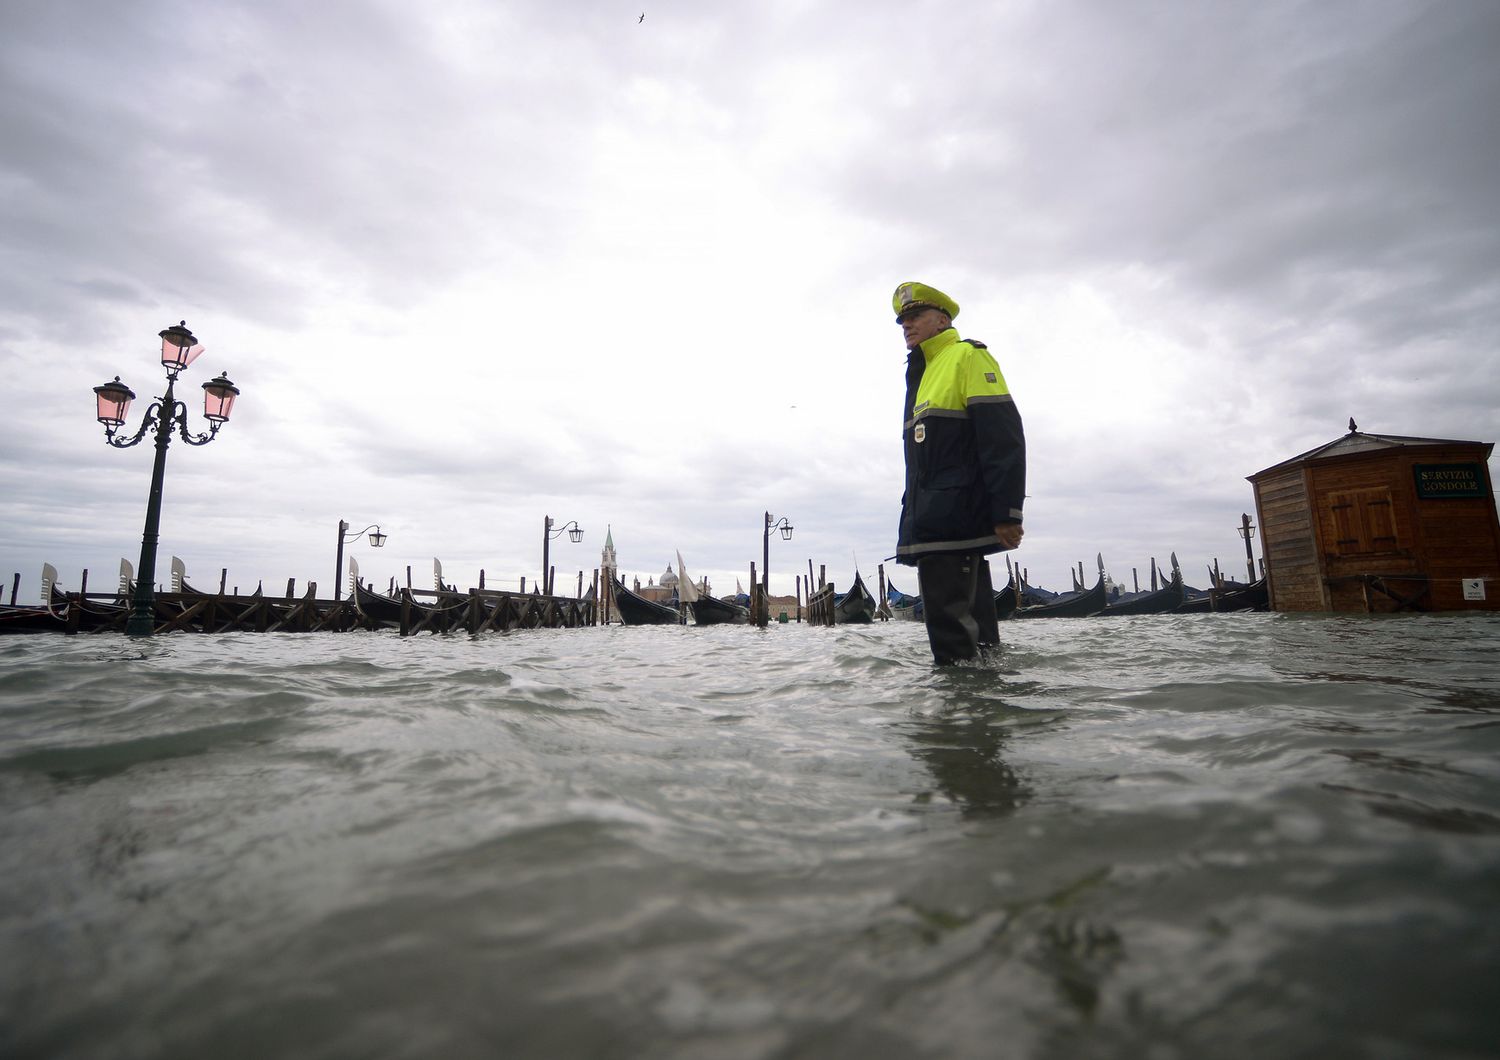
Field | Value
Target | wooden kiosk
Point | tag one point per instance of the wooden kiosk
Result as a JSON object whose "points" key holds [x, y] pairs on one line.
{"points": [[1372, 522]]}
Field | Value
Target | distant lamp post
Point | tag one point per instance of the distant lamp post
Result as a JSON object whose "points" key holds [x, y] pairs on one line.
{"points": [[765, 562], [575, 535], [178, 350], [1245, 528], [346, 538]]}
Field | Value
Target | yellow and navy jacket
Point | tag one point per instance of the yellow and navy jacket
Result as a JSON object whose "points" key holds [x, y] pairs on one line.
{"points": [[965, 450]]}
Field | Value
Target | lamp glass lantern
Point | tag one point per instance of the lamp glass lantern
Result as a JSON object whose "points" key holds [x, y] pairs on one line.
{"points": [[218, 398], [178, 347], [114, 400], [786, 533], [377, 538]]}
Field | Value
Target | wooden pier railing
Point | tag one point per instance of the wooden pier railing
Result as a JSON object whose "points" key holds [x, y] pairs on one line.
{"points": [[820, 606]]}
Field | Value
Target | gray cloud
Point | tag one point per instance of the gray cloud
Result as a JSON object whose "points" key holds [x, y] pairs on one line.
{"points": [[1285, 210]]}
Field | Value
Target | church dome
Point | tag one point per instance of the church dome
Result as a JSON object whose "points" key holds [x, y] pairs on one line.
{"points": [[668, 580]]}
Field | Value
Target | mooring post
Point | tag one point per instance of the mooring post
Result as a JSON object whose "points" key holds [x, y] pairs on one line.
{"points": [[799, 598], [290, 584], [1245, 529], [822, 575], [223, 579], [408, 575], [481, 577]]}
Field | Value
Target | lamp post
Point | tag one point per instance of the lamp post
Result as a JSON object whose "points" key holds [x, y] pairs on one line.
{"points": [[376, 540], [178, 350], [765, 562], [575, 535], [1245, 529]]}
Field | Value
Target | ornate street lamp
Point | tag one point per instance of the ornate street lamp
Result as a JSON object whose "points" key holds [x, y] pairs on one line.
{"points": [[178, 350], [765, 563], [575, 534], [376, 540]]}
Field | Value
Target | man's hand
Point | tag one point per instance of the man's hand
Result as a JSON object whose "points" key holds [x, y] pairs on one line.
{"points": [[1009, 535]]}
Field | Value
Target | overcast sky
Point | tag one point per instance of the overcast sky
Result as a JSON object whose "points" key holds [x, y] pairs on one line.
{"points": [[476, 263]]}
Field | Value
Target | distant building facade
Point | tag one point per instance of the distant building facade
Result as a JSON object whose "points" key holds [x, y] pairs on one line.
{"points": [[661, 591]]}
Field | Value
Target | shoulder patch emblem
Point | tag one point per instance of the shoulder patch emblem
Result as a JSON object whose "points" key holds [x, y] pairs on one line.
{"points": [[989, 377]]}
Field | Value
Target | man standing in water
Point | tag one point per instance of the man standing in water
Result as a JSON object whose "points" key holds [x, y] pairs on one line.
{"points": [[965, 473]]}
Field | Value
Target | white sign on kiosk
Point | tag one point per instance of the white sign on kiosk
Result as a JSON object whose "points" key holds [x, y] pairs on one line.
{"points": [[1473, 588]]}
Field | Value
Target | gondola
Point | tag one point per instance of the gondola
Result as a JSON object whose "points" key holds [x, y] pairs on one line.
{"points": [[91, 617], [904, 608], [19, 618], [97, 615], [909, 608], [1253, 597], [638, 611], [1157, 602], [1007, 600], [856, 606], [383, 610], [1076, 605], [710, 611]]}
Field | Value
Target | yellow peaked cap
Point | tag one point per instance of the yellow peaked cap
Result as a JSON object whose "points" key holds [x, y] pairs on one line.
{"points": [[910, 296]]}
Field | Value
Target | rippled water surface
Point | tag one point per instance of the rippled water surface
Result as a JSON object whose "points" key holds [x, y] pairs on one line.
{"points": [[1210, 835]]}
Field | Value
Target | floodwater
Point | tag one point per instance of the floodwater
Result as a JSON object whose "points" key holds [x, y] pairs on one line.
{"points": [[1180, 836]]}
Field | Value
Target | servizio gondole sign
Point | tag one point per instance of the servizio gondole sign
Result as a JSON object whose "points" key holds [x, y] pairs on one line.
{"points": [[1442, 481]]}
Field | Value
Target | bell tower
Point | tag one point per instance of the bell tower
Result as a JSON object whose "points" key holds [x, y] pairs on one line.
{"points": [[608, 565], [608, 571]]}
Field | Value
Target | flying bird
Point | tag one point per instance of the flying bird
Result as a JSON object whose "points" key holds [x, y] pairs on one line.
{"points": [[641, 19]]}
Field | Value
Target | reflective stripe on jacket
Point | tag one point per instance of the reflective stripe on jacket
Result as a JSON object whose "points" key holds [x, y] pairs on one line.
{"points": [[965, 450]]}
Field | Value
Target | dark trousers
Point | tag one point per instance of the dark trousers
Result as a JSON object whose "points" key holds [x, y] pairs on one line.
{"points": [[958, 604]]}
